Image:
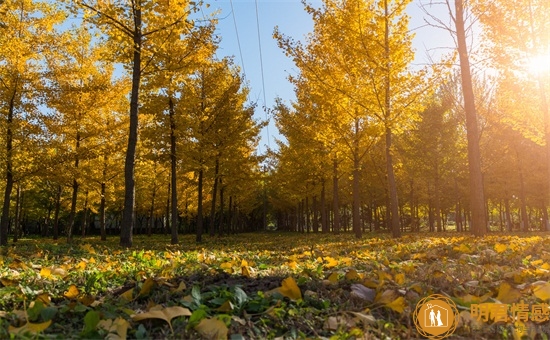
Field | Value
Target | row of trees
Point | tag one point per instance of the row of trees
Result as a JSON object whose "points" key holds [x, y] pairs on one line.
{"points": [[368, 127], [121, 109]]}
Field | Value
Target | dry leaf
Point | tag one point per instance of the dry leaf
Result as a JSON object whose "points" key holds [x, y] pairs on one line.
{"points": [[352, 275], [212, 329], [508, 294], [29, 328], [541, 290], [166, 314], [398, 304], [290, 289], [147, 286], [72, 293], [362, 292]]}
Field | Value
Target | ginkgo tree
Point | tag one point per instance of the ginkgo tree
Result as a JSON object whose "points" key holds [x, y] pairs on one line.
{"points": [[26, 31], [362, 50], [138, 31]]}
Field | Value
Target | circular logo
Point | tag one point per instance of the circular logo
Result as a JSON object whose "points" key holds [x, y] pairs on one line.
{"points": [[436, 316]]}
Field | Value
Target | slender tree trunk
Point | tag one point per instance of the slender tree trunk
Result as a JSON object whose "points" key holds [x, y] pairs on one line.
{"points": [[307, 214], [315, 222], [199, 208], [72, 215], [85, 219], [335, 203], [523, 205], [152, 214], [103, 200], [212, 223], [56, 213], [16, 225], [324, 222], [221, 224], [230, 217], [437, 203], [544, 212], [173, 172], [128, 216], [509, 224], [477, 202], [5, 219], [167, 226]]}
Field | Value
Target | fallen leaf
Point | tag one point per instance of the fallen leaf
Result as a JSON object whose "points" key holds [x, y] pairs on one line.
{"points": [[398, 304], [290, 289], [166, 314], [500, 248], [146, 287], [72, 292], [362, 292], [29, 328], [212, 329], [541, 290], [352, 275], [333, 278], [508, 294], [128, 295]]}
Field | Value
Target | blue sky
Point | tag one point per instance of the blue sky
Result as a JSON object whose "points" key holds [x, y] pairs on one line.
{"points": [[293, 21]]}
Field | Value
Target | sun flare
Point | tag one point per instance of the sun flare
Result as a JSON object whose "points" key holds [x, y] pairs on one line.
{"points": [[539, 64]]}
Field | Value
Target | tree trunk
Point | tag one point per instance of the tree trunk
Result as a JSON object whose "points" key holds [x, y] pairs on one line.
{"points": [[103, 200], [335, 203], [221, 223], [16, 224], [5, 219], [152, 214], [85, 219], [509, 224], [56, 213], [477, 202], [315, 222], [72, 214], [173, 172], [199, 208], [128, 216], [212, 223], [324, 222]]}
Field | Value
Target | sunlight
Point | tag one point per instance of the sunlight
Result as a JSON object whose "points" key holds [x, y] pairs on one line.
{"points": [[539, 64]]}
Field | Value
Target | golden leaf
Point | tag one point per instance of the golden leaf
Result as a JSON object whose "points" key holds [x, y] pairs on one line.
{"points": [[166, 314], [352, 275], [398, 304], [180, 288], [399, 278], [212, 329], [508, 294], [128, 295], [330, 262], [333, 278], [227, 306], [500, 248], [245, 271], [290, 289], [72, 292], [46, 273], [147, 286], [29, 328], [541, 290]]}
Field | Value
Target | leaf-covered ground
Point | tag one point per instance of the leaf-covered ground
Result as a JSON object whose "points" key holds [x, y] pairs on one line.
{"points": [[267, 285]]}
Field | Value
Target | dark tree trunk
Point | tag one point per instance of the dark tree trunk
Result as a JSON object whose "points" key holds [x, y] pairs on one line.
{"points": [[56, 213], [212, 223], [5, 219], [335, 203], [173, 172], [17, 222], [199, 208], [72, 214], [152, 214], [128, 215], [477, 202], [167, 211], [85, 219], [221, 224], [102, 202], [324, 222], [509, 223], [315, 208]]}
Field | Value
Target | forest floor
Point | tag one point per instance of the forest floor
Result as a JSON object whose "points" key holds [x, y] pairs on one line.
{"points": [[274, 285]]}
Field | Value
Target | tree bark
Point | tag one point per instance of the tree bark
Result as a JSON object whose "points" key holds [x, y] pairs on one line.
{"points": [[128, 216], [212, 223], [477, 202], [199, 208], [324, 222], [173, 172], [5, 219], [335, 203], [16, 224], [103, 200], [72, 214], [56, 213]]}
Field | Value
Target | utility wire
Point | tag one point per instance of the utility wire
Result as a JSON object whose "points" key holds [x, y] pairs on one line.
{"points": [[262, 71], [238, 40]]}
